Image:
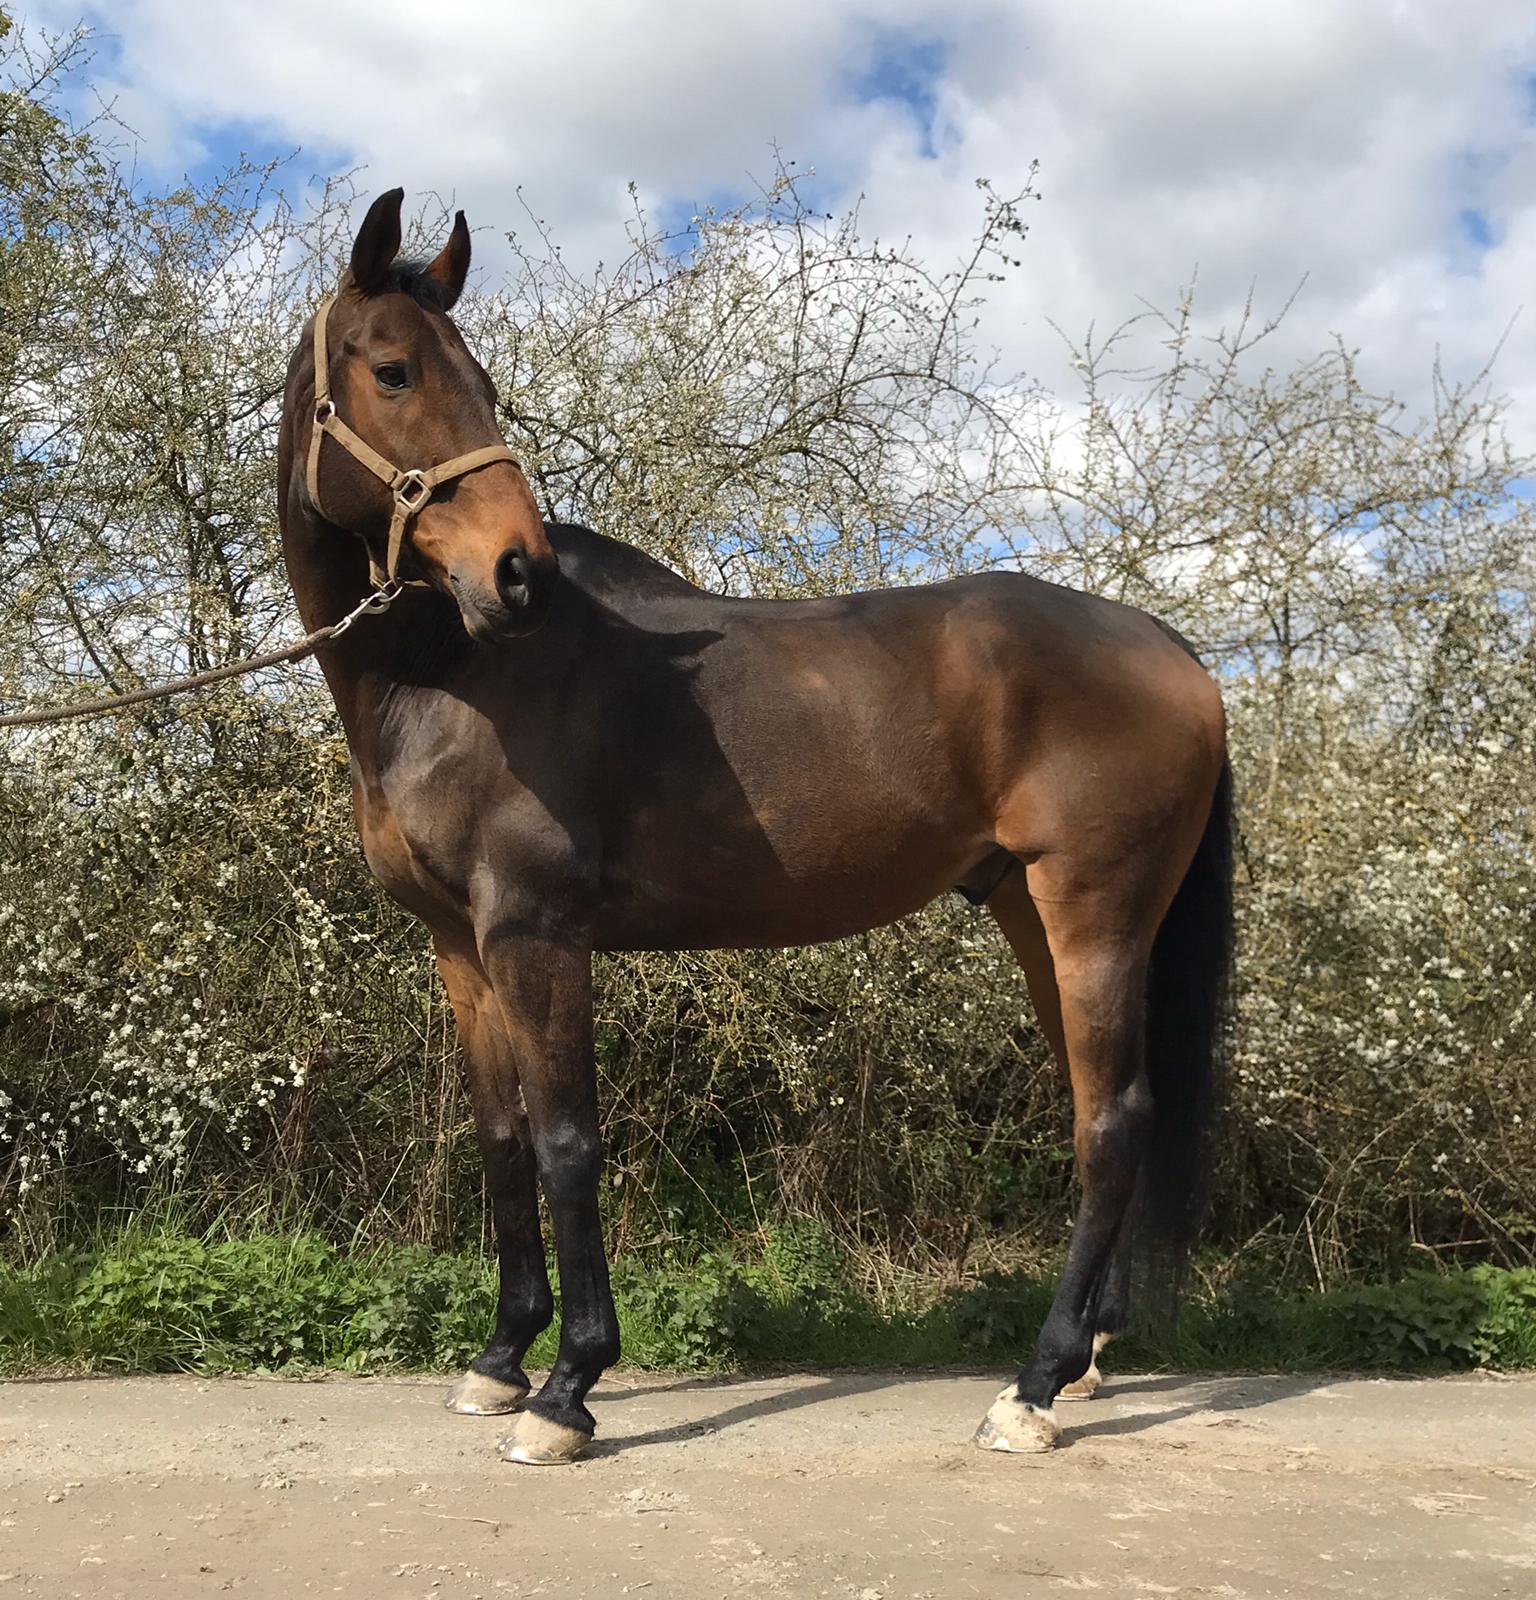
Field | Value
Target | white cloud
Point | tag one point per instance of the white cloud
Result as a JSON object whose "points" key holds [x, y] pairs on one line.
{"points": [[1257, 143]]}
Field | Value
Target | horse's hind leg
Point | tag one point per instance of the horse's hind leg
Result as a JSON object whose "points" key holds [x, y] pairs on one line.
{"points": [[1019, 919], [1099, 940], [495, 1382]]}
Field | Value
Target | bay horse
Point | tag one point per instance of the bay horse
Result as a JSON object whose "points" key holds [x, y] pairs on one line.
{"points": [[559, 746]]}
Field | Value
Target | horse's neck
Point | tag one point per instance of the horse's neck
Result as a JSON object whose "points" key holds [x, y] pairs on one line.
{"points": [[328, 571], [327, 568]]}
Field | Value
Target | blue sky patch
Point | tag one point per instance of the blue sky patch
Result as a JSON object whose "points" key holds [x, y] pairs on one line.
{"points": [[907, 69], [1475, 228]]}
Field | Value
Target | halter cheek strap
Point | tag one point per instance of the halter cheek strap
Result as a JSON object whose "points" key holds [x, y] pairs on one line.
{"points": [[411, 487]]}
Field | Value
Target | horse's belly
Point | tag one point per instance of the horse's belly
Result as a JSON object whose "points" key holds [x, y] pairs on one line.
{"points": [[744, 926], [755, 892]]}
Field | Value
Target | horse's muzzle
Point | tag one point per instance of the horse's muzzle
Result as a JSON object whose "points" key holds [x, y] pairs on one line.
{"points": [[516, 606]]}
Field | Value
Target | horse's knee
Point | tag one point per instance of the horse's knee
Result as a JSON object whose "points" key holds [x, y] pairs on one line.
{"points": [[570, 1161]]}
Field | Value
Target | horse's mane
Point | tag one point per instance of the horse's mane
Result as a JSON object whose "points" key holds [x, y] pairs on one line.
{"points": [[409, 276]]}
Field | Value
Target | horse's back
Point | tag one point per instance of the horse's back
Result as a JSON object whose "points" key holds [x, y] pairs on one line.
{"points": [[999, 667], [1032, 613]]}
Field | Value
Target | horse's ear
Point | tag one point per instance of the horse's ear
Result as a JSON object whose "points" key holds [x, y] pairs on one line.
{"points": [[378, 242], [451, 268]]}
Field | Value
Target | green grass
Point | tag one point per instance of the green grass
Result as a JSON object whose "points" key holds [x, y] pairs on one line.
{"points": [[158, 1299]]}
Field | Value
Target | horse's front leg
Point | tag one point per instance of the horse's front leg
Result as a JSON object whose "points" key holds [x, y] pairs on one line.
{"points": [[544, 987], [495, 1382]]}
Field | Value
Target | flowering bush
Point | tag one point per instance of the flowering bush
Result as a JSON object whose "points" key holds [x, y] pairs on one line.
{"points": [[201, 989]]}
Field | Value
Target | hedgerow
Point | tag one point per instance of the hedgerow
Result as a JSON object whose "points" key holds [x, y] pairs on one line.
{"points": [[158, 1299], [202, 993]]}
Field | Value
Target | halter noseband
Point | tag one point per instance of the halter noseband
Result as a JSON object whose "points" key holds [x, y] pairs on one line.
{"points": [[411, 487]]}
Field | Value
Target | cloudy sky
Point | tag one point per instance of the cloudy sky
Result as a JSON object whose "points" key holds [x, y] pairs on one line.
{"points": [[1383, 149]]}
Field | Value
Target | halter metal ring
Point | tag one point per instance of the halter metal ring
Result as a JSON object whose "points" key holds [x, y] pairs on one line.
{"points": [[324, 411], [412, 491], [382, 598]]}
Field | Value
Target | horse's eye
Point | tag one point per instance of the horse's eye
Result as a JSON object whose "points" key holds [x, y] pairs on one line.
{"points": [[391, 375]]}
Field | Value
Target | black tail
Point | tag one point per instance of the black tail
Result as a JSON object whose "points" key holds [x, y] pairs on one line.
{"points": [[1187, 997]]}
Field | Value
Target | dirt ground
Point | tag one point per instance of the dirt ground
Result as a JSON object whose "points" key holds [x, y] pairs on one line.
{"points": [[858, 1486]]}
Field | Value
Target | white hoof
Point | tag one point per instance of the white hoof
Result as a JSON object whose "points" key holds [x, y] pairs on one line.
{"points": [[1085, 1387], [1017, 1427], [535, 1441], [476, 1395]]}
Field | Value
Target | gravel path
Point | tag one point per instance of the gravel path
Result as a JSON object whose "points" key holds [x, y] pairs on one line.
{"points": [[858, 1486]]}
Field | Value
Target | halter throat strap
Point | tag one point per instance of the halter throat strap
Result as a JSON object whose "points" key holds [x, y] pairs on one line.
{"points": [[410, 487]]}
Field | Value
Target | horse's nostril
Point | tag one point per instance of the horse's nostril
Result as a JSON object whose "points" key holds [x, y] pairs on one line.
{"points": [[513, 578]]}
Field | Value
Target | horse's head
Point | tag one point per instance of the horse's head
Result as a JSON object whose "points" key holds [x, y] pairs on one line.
{"points": [[401, 394]]}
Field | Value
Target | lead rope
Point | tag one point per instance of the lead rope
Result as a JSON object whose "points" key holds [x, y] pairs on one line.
{"points": [[380, 600]]}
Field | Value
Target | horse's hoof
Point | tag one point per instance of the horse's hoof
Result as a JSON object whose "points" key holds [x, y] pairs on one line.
{"points": [[476, 1395], [1085, 1387], [535, 1441], [1017, 1427]]}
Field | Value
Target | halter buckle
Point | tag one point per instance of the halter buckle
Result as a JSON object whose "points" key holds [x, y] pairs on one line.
{"points": [[412, 491]]}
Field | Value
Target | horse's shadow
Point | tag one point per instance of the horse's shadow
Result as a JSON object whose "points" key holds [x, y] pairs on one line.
{"points": [[1085, 1423], [734, 1416], [1220, 1396]]}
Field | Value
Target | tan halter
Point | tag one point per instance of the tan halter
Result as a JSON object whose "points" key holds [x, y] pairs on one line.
{"points": [[411, 487]]}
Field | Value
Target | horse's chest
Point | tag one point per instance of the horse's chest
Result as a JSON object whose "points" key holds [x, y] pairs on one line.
{"points": [[406, 853]]}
